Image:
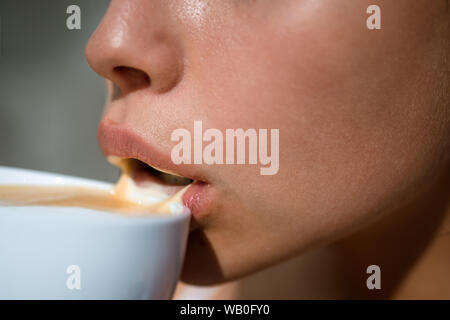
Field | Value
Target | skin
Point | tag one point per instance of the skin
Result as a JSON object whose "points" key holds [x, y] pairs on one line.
{"points": [[364, 120]]}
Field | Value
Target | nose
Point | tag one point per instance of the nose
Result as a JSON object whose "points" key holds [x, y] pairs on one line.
{"points": [[136, 47]]}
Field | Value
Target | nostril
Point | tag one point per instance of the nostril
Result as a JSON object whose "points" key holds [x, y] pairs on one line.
{"points": [[131, 78]]}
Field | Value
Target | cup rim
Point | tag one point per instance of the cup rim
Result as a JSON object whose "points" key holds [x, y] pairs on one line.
{"points": [[21, 176]]}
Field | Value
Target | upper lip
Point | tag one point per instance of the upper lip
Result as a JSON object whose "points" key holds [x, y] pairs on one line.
{"points": [[118, 139]]}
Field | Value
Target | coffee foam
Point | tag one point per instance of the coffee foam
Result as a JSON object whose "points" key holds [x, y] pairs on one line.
{"points": [[151, 196], [125, 197]]}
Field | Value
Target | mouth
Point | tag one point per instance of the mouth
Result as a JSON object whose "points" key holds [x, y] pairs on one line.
{"points": [[145, 176], [151, 185], [149, 164]]}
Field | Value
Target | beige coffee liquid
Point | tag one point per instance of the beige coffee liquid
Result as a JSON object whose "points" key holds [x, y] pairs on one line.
{"points": [[125, 197]]}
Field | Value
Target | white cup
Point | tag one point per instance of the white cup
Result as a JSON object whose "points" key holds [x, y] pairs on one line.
{"points": [[77, 253]]}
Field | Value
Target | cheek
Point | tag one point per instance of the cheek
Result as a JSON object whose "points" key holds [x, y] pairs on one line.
{"points": [[341, 96], [354, 140], [271, 67]]}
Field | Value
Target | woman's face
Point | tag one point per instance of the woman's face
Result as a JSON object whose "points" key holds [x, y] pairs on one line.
{"points": [[363, 115]]}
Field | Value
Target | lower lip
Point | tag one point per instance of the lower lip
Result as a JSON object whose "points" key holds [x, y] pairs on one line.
{"points": [[196, 198]]}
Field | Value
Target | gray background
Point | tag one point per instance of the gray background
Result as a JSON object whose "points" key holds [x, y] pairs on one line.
{"points": [[50, 100]]}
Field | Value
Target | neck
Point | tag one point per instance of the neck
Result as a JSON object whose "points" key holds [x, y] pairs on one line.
{"points": [[411, 246]]}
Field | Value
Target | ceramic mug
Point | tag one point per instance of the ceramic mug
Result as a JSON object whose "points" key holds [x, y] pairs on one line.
{"points": [[78, 253]]}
